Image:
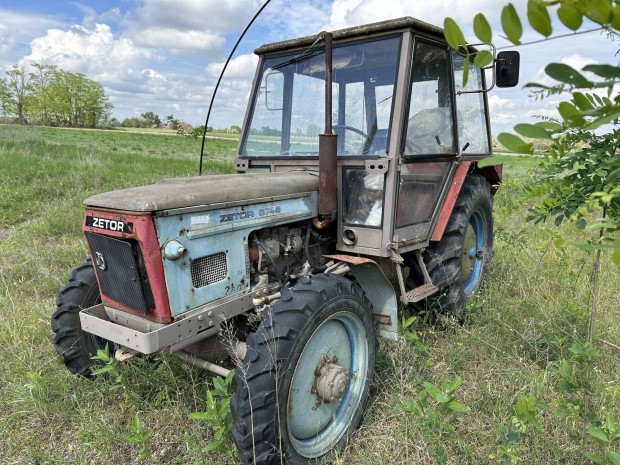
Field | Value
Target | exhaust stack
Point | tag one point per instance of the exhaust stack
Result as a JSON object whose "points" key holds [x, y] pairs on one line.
{"points": [[328, 147]]}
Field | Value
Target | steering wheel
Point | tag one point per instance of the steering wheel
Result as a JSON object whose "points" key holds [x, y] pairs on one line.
{"points": [[340, 128]]}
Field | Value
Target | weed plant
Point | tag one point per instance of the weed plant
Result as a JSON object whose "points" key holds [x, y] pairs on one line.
{"points": [[521, 356]]}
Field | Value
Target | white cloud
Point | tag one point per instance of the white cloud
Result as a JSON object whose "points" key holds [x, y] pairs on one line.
{"points": [[288, 20], [94, 52], [178, 42], [187, 28], [242, 67], [18, 28], [355, 12], [213, 15]]}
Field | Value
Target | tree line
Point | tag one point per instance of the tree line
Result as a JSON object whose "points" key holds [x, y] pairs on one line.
{"points": [[51, 96]]}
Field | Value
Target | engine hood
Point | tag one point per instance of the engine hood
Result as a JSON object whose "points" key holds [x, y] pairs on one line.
{"points": [[173, 193]]}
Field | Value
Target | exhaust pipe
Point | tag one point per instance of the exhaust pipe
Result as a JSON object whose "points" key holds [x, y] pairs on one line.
{"points": [[328, 148]]}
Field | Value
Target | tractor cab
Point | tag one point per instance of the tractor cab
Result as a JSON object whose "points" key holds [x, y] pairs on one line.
{"points": [[402, 119]]}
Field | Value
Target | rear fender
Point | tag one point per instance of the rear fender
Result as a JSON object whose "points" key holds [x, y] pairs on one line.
{"points": [[493, 175]]}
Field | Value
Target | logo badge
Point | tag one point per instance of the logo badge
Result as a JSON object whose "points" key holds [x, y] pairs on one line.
{"points": [[100, 261]]}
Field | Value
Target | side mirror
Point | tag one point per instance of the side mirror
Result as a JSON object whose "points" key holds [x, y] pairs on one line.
{"points": [[507, 69]]}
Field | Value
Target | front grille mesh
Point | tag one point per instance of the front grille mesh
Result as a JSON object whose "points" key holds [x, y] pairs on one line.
{"points": [[116, 268], [209, 269]]}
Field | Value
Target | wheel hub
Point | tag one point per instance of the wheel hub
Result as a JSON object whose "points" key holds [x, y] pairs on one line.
{"points": [[331, 382]]}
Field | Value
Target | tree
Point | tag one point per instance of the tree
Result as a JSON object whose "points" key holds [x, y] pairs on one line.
{"points": [[150, 119], [173, 122], [40, 97], [5, 98], [581, 169], [18, 86]]}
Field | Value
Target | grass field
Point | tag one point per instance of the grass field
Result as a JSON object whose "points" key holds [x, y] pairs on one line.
{"points": [[519, 340]]}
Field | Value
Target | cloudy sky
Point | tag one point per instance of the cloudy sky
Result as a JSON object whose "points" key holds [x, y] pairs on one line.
{"points": [[165, 55]]}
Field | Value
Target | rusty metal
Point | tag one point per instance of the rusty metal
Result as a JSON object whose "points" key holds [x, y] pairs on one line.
{"points": [[328, 148], [350, 259], [448, 206]]}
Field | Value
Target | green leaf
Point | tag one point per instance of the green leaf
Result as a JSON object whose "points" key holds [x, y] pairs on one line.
{"points": [[494, 160], [568, 111], [451, 386], [598, 11], [559, 242], [532, 131], [603, 120], [570, 16], [564, 73], [599, 435], [582, 101], [581, 223], [482, 29], [615, 257], [511, 24], [613, 457], [458, 407], [453, 34], [615, 20], [549, 125], [465, 71], [604, 71], [538, 16], [483, 58], [435, 393], [514, 143], [596, 460]]}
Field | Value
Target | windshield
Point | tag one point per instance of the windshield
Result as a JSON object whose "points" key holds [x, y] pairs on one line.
{"points": [[288, 112]]}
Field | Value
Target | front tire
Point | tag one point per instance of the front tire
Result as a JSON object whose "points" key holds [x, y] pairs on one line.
{"points": [[459, 263], [77, 346], [277, 412]]}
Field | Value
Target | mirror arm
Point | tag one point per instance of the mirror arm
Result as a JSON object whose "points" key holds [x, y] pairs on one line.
{"points": [[491, 66]]}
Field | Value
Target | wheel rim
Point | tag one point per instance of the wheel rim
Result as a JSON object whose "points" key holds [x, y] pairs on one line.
{"points": [[315, 429], [473, 252]]}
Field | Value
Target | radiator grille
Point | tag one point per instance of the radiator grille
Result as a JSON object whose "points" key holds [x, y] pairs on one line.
{"points": [[209, 269], [117, 270]]}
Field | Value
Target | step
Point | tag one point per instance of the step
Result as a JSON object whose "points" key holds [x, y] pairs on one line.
{"points": [[420, 292]]}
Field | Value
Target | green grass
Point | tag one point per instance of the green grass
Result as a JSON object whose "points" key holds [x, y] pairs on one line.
{"points": [[535, 306]]}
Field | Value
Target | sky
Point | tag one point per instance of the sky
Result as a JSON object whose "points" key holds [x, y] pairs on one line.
{"points": [[165, 56]]}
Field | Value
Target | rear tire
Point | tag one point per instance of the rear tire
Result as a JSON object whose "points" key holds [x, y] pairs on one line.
{"points": [[276, 416], [77, 346], [459, 263]]}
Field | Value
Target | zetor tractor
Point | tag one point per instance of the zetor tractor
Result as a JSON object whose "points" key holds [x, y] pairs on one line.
{"points": [[282, 268]]}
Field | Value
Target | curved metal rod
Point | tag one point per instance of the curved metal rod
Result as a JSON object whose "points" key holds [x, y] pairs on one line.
{"points": [[217, 85]]}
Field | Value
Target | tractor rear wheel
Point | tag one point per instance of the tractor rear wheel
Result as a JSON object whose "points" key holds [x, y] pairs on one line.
{"points": [[306, 376], [77, 346], [459, 263]]}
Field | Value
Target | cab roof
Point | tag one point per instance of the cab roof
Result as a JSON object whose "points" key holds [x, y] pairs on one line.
{"points": [[383, 27]]}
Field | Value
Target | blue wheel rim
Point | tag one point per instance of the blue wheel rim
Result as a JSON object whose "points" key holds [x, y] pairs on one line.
{"points": [[473, 252], [315, 430]]}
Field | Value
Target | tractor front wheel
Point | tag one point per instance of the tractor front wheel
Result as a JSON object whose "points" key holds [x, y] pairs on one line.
{"points": [[306, 376], [77, 346]]}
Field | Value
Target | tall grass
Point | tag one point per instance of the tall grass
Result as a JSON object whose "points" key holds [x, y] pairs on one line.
{"points": [[534, 308]]}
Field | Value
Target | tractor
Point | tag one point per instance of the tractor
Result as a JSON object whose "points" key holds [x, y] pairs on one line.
{"points": [[290, 269]]}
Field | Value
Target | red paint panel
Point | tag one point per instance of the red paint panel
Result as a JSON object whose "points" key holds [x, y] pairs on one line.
{"points": [[448, 206], [142, 231]]}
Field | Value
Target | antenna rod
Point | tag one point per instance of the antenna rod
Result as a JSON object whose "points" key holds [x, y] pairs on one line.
{"points": [[217, 85]]}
